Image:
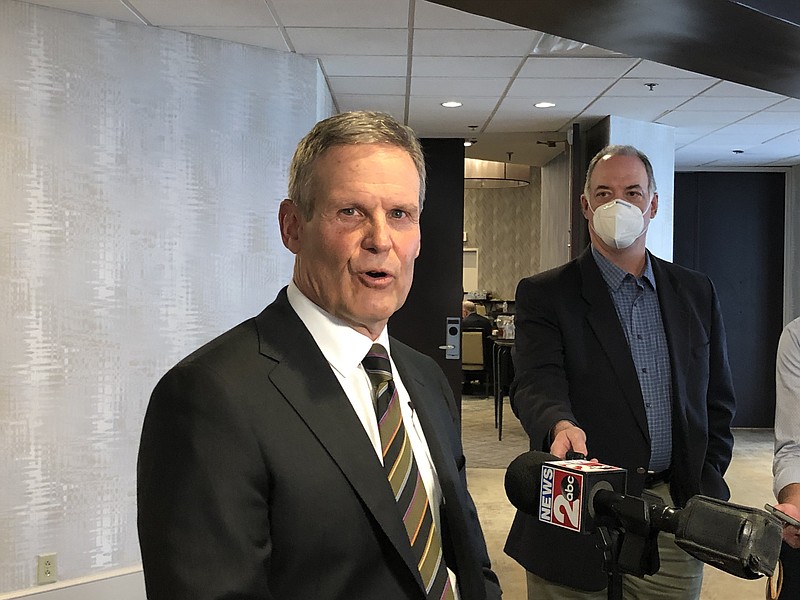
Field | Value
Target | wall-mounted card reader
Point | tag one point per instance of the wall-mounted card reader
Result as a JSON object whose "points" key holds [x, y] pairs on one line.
{"points": [[452, 347]]}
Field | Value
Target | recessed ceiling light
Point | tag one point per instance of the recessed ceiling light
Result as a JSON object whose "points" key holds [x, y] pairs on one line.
{"points": [[451, 104], [470, 142], [544, 105]]}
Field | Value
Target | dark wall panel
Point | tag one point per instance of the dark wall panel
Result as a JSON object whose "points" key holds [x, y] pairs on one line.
{"points": [[436, 293], [730, 226]]}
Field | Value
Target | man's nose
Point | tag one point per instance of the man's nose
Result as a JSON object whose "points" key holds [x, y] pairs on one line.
{"points": [[379, 235]]}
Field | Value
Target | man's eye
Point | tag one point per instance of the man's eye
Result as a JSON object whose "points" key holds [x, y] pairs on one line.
{"points": [[349, 212], [397, 213]]}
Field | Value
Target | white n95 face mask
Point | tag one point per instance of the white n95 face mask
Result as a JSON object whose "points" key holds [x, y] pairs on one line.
{"points": [[618, 223]]}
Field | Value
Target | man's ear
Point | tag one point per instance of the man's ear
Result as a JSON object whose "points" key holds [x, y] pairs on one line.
{"points": [[654, 205], [291, 224], [585, 207]]}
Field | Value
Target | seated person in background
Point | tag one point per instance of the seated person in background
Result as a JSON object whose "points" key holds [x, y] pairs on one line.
{"points": [[471, 320]]}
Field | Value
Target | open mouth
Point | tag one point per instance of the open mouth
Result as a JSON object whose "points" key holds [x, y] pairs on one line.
{"points": [[376, 274]]}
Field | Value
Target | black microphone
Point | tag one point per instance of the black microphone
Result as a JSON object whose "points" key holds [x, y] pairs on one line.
{"points": [[739, 540], [560, 492]]}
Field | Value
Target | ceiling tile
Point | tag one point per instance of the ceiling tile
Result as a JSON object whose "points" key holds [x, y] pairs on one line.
{"points": [[444, 66], [633, 108], [788, 105], [757, 132], [636, 87], [458, 88], [97, 8], [649, 69], [709, 103], [726, 88], [364, 66], [466, 42], [359, 42], [200, 13], [427, 124], [265, 37], [537, 89], [368, 85], [787, 144], [552, 121], [394, 105], [573, 105], [683, 137], [471, 113], [541, 66], [769, 117], [683, 118], [352, 13]]}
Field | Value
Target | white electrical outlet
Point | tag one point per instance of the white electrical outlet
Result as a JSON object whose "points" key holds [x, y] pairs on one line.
{"points": [[46, 568]]}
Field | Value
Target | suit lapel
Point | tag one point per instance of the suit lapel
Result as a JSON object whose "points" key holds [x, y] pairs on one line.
{"points": [[431, 422], [604, 321], [677, 328], [307, 382], [436, 420]]}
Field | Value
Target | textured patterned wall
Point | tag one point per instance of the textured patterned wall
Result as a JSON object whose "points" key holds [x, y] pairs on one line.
{"points": [[140, 174], [556, 204], [504, 225]]}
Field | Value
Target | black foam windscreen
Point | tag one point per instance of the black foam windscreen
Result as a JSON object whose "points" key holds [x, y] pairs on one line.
{"points": [[524, 480]]}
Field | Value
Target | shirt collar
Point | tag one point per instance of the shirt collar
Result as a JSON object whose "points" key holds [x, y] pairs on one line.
{"points": [[343, 347], [614, 276]]}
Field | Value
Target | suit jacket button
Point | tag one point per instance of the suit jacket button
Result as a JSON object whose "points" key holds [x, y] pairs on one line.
{"points": [[641, 471]]}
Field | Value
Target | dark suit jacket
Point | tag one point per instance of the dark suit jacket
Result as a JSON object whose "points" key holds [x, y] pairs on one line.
{"points": [[573, 362], [256, 479]]}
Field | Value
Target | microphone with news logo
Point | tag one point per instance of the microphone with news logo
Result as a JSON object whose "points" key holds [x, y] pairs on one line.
{"points": [[588, 498]]}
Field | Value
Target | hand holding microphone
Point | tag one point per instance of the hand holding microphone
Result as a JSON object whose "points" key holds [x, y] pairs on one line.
{"points": [[568, 437], [585, 497]]}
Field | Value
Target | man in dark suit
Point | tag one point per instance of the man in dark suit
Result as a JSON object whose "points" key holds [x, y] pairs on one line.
{"points": [[266, 467], [621, 356]]}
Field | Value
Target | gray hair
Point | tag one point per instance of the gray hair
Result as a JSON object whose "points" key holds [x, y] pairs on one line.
{"points": [[619, 150], [358, 127]]}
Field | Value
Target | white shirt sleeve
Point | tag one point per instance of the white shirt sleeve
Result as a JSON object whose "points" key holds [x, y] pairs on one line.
{"points": [[786, 463]]}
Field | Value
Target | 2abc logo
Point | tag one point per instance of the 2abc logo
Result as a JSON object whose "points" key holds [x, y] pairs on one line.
{"points": [[567, 503]]}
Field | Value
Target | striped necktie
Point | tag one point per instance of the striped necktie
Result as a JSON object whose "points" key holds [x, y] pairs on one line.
{"points": [[404, 478]]}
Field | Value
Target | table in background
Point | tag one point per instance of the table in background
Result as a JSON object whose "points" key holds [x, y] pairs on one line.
{"points": [[502, 376]]}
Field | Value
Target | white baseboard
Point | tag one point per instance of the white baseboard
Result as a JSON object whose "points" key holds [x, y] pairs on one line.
{"points": [[120, 584]]}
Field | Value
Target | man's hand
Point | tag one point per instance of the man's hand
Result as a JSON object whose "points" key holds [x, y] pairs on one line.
{"points": [[567, 436], [789, 498], [791, 534]]}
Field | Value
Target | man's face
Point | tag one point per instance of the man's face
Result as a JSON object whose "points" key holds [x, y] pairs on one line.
{"points": [[355, 256], [622, 177]]}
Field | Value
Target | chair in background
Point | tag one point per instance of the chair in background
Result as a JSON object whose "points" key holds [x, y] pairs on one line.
{"points": [[473, 365]]}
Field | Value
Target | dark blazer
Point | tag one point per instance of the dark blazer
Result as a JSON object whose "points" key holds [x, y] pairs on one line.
{"points": [[256, 479], [573, 362]]}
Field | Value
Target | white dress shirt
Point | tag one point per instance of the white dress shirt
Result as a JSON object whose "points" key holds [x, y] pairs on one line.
{"points": [[786, 464], [344, 348]]}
